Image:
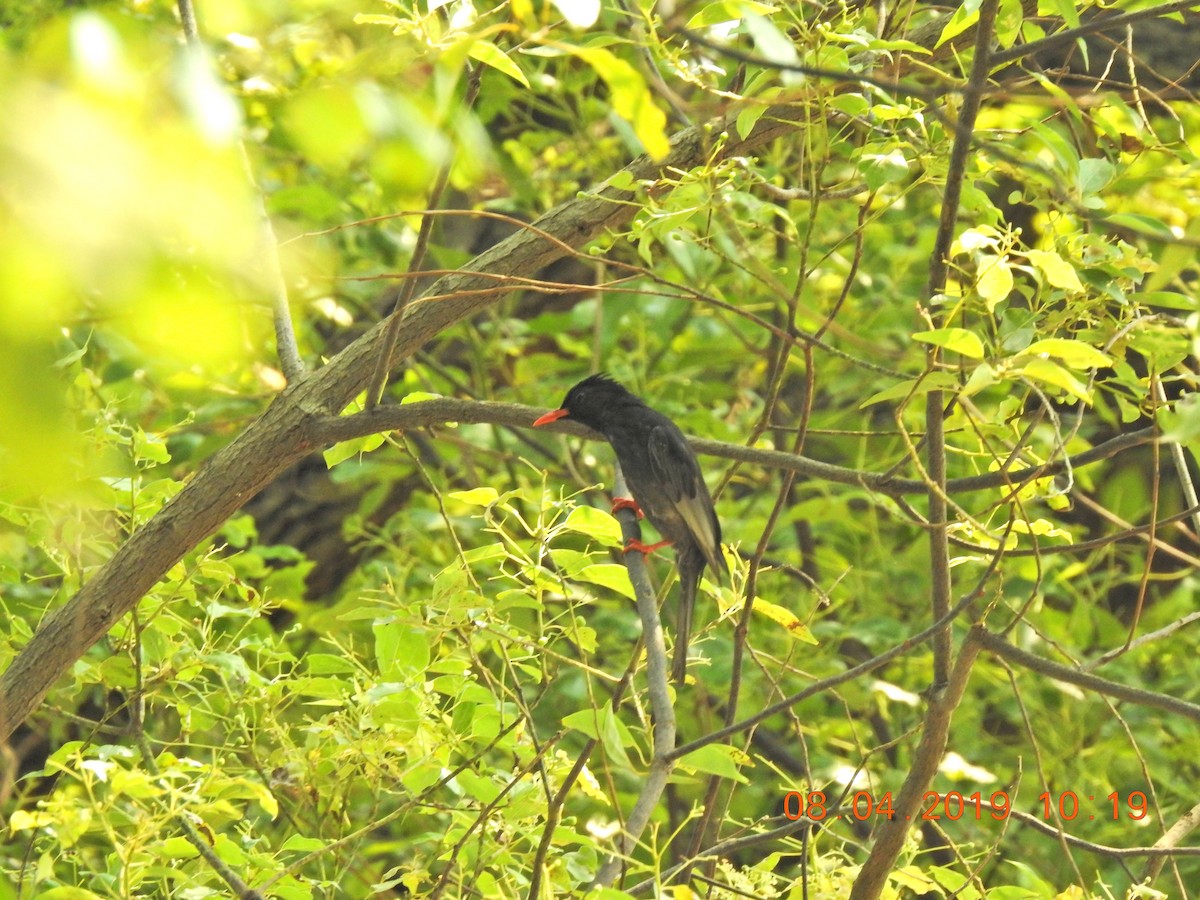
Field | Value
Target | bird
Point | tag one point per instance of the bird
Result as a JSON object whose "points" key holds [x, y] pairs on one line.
{"points": [[665, 481]]}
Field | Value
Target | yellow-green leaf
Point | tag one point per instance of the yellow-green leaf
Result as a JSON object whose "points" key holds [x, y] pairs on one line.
{"points": [[595, 523], [789, 620], [344, 450], [603, 726], [1049, 372], [1042, 528], [964, 17], [1075, 354], [995, 280], [1057, 270], [480, 496], [957, 340], [727, 11], [491, 55], [631, 99]]}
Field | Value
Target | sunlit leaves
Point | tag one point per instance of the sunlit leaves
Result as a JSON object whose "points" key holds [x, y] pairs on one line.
{"points": [[1076, 354], [1059, 273], [631, 98], [958, 340], [146, 226], [579, 13], [728, 11]]}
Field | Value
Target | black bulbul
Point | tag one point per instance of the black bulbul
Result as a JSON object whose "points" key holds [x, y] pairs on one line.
{"points": [[666, 483]]}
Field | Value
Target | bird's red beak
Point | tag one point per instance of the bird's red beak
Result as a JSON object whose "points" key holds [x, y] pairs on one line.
{"points": [[552, 417]]}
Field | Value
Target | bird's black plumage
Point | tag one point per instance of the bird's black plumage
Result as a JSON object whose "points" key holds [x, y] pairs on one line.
{"points": [[664, 478]]}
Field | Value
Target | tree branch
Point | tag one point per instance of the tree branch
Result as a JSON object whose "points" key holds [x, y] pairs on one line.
{"points": [[661, 709], [447, 411]]}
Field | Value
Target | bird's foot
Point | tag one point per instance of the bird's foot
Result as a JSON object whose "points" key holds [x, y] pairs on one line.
{"points": [[645, 548], [620, 503]]}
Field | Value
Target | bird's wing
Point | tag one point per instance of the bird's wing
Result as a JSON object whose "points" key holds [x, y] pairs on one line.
{"points": [[674, 466]]}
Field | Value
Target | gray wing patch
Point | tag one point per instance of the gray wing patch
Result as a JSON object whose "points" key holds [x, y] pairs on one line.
{"points": [[674, 466]]}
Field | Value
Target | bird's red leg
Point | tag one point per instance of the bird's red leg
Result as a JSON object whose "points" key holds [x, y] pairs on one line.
{"points": [[645, 548], [620, 503]]}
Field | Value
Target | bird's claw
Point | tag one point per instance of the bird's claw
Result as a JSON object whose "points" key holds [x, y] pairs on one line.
{"points": [[620, 503], [645, 549]]}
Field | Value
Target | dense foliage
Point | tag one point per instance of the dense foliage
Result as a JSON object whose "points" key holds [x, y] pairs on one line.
{"points": [[412, 666]]}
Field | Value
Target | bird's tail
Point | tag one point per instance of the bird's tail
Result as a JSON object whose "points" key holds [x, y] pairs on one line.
{"points": [[715, 558], [689, 581]]}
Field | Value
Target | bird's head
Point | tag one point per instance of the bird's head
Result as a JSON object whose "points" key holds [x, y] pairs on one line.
{"points": [[591, 402]]}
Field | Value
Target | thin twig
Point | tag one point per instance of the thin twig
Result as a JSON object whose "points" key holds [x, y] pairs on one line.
{"points": [[1098, 24], [285, 333], [447, 411], [863, 668], [935, 445], [1069, 675], [190, 832], [889, 840], [383, 362]]}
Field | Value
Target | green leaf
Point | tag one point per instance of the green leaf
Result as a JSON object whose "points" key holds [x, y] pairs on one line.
{"points": [[596, 524], [1143, 224], [622, 180], [1064, 8], [150, 447], [613, 576], [728, 11], [771, 43], [938, 381], [1181, 423], [964, 17], [602, 725], [1009, 18], [1094, 176], [327, 664], [879, 169], [344, 450], [491, 55], [956, 340], [1167, 300], [1176, 256], [400, 649], [480, 496], [982, 376], [1042, 528], [748, 117], [721, 760], [419, 397], [487, 552], [302, 844]]}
